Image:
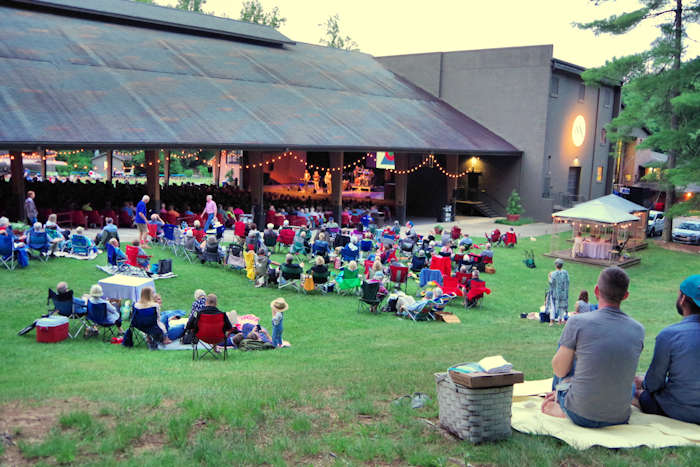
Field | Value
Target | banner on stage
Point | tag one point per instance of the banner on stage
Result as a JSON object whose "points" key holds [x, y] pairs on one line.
{"points": [[385, 160]]}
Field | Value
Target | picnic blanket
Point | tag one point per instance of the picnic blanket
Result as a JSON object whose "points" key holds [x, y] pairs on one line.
{"points": [[65, 254], [642, 430], [112, 270]]}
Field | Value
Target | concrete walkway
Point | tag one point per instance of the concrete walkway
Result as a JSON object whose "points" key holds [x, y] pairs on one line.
{"points": [[474, 226]]}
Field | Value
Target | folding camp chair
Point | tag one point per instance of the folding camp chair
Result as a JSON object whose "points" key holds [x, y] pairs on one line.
{"points": [[368, 298], [133, 256], [420, 311], [7, 251], [210, 333], [455, 233], [475, 294], [289, 279], [442, 264], [407, 245], [399, 275], [80, 245], [144, 322], [286, 237], [97, 314], [65, 305], [429, 275], [169, 237], [270, 240], [320, 248], [348, 281], [321, 281], [511, 239], [350, 252], [366, 246], [39, 242], [113, 260], [153, 232]]}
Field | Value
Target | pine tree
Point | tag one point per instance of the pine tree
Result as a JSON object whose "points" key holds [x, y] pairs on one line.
{"points": [[661, 92], [514, 206]]}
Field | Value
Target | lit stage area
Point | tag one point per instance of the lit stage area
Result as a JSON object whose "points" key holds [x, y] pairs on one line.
{"points": [[298, 191]]}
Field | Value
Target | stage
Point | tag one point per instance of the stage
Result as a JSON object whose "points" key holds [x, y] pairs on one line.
{"points": [[293, 190]]}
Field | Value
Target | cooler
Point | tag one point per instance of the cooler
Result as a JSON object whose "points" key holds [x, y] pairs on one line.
{"points": [[53, 329]]}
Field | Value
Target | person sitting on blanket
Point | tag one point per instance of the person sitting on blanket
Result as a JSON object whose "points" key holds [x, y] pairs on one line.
{"points": [[80, 232], [120, 256], [597, 357], [252, 341], [671, 386], [173, 320], [142, 256], [113, 315], [149, 299]]}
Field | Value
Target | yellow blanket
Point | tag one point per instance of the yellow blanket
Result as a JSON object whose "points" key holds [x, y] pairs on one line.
{"points": [[642, 430]]}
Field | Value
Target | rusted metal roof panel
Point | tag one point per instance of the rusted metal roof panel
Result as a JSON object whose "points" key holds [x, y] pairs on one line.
{"points": [[73, 81]]}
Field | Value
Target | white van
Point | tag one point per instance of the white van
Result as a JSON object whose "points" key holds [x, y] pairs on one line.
{"points": [[655, 224]]}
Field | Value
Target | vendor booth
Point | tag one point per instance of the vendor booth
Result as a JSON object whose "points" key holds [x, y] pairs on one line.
{"points": [[600, 234]]}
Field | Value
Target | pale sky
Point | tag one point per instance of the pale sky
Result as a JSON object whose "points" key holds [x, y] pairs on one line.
{"points": [[393, 27]]}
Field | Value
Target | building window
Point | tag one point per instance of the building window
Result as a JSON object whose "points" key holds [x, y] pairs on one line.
{"points": [[603, 136], [607, 99], [581, 92], [599, 174], [554, 91]]}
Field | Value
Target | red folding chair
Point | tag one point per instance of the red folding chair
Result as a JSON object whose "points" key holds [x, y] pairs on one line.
{"points": [[368, 266], [450, 286], [278, 220], [442, 264], [511, 239], [286, 237], [355, 220], [239, 229], [210, 333], [95, 218], [345, 220], [133, 256], [399, 275], [199, 235], [477, 289], [153, 231]]}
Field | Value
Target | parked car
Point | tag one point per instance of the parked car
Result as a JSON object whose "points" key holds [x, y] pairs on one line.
{"points": [[655, 224], [687, 232]]}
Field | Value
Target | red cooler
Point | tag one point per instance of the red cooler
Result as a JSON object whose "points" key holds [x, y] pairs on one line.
{"points": [[53, 329]]}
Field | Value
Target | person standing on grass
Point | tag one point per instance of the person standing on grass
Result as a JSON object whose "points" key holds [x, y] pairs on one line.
{"points": [[141, 219], [278, 307], [671, 386], [559, 289], [30, 208], [597, 358], [209, 211]]}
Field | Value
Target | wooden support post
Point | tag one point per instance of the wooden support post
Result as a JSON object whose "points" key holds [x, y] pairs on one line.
{"points": [[166, 168], [110, 165], [451, 182], [217, 168], [336, 163], [255, 177], [42, 153], [152, 177], [17, 181], [401, 163]]}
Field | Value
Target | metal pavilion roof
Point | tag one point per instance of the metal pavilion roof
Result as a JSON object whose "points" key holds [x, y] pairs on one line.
{"points": [[73, 81]]}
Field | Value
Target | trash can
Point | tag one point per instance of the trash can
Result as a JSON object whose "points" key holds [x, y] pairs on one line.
{"points": [[447, 213]]}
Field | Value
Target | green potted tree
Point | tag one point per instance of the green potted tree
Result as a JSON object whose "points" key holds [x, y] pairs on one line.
{"points": [[514, 208]]}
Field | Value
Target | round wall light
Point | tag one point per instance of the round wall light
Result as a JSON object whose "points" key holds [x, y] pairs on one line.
{"points": [[578, 130]]}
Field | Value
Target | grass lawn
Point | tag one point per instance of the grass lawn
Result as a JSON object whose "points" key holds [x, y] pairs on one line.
{"points": [[324, 401]]}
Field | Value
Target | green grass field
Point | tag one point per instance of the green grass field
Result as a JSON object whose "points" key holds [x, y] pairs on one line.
{"points": [[324, 401]]}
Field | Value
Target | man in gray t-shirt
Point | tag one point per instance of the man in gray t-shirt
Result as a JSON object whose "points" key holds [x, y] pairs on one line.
{"points": [[597, 359]]}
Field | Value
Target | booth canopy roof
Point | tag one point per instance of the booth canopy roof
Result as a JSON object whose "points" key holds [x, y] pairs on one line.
{"points": [[72, 81], [596, 211], [619, 202]]}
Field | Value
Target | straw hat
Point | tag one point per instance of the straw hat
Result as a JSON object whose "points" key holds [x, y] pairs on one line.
{"points": [[279, 304], [96, 291]]}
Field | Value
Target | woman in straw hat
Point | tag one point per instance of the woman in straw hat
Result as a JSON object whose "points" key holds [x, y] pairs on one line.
{"points": [[113, 315], [278, 307]]}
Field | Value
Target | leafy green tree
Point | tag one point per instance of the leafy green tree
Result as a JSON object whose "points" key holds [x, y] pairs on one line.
{"points": [[661, 92], [514, 206], [334, 38], [252, 11], [190, 5]]}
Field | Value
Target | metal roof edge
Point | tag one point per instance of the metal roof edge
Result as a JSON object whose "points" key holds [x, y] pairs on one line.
{"points": [[47, 5]]}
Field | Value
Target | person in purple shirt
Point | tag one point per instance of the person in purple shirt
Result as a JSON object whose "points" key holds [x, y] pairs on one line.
{"points": [[671, 386], [209, 211], [141, 219]]}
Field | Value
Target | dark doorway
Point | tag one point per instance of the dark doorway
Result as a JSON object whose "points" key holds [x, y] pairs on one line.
{"points": [[473, 186], [573, 183]]}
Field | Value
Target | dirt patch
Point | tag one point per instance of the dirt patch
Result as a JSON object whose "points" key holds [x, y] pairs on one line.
{"points": [[149, 443], [23, 421]]}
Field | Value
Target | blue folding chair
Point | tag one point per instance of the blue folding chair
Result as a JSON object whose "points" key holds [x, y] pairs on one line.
{"points": [[7, 251], [39, 242], [169, 237], [97, 314], [366, 245], [350, 253], [65, 305], [144, 321], [80, 245], [320, 248], [220, 232], [113, 260]]}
